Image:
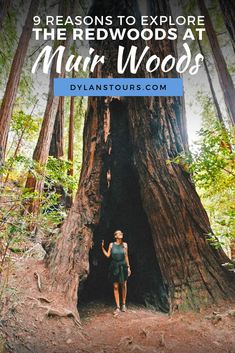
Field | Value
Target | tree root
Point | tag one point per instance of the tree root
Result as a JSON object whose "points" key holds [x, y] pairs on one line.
{"points": [[51, 312], [42, 299]]}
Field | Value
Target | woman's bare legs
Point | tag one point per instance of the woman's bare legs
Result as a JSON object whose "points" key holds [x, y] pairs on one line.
{"points": [[124, 292], [116, 294]]}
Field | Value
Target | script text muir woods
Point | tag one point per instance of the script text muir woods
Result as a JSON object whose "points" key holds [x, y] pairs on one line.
{"points": [[119, 28]]}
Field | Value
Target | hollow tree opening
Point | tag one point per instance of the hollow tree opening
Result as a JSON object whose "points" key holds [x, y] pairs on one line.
{"points": [[122, 209]]}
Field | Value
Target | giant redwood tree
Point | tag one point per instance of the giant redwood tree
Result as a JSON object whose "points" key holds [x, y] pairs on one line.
{"points": [[128, 183]]}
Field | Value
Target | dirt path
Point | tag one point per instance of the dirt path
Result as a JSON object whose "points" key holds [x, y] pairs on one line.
{"points": [[142, 330], [26, 328]]}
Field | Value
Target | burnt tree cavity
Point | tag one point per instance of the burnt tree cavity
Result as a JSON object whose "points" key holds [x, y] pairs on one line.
{"points": [[122, 209]]}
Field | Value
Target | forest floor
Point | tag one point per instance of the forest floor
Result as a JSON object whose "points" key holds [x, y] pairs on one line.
{"points": [[25, 327]]}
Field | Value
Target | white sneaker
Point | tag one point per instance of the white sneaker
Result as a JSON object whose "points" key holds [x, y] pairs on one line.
{"points": [[116, 311], [123, 307]]}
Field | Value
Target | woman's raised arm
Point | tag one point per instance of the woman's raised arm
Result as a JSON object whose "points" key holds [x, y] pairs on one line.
{"points": [[106, 253]]}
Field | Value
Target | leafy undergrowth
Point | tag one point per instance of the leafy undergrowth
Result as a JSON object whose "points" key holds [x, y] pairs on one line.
{"points": [[27, 327]]}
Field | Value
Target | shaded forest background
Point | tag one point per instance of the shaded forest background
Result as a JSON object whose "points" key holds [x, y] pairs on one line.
{"points": [[40, 170]]}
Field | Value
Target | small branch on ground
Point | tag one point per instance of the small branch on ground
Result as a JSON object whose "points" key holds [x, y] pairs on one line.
{"points": [[216, 317], [39, 284]]}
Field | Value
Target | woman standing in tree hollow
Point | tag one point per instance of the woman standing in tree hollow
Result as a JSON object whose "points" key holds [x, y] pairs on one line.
{"points": [[119, 269]]}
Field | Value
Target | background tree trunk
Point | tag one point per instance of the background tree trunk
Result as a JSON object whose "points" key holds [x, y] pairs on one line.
{"points": [[41, 151], [232, 246], [220, 64], [14, 78], [69, 198], [4, 6], [57, 141], [71, 132], [215, 101], [57, 147], [127, 182], [228, 10]]}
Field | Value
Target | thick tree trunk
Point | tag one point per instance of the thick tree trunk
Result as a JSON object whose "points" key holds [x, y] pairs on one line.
{"points": [[57, 141], [220, 64], [162, 49], [179, 224], [69, 262], [4, 6], [14, 78], [228, 10], [127, 182], [215, 101]]}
